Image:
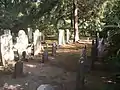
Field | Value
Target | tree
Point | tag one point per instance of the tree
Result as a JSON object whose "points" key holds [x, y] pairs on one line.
{"points": [[76, 32]]}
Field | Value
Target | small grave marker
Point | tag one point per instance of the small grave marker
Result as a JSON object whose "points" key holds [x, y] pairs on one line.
{"points": [[54, 49], [18, 70], [44, 56]]}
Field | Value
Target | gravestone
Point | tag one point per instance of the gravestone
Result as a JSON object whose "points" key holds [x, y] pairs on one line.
{"points": [[83, 68], [22, 43], [101, 48], [67, 35], [80, 75], [54, 47], [30, 35], [37, 42], [44, 56], [61, 40], [18, 70], [60, 25], [6, 48], [42, 37]]}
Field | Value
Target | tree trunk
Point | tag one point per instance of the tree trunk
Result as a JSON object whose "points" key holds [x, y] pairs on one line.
{"points": [[76, 32], [67, 35]]}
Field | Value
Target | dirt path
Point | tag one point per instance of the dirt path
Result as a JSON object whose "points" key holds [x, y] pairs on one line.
{"points": [[59, 71]]}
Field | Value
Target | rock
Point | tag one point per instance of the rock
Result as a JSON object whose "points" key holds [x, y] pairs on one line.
{"points": [[45, 87]]}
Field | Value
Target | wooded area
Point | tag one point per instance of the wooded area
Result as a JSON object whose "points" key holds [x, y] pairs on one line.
{"points": [[39, 30]]}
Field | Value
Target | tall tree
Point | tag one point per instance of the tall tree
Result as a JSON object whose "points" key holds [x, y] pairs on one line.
{"points": [[76, 32]]}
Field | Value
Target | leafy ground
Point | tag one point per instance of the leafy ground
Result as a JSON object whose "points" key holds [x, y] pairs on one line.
{"points": [[59, 71]]}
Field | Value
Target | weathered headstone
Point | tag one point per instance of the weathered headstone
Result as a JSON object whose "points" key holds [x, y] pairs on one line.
{"points": [[54, 47], [22, 42], [37, 42], [101, 48], [42, 37], [45, 87], [18, 70], [83, 68], [44, 56], [6, 47], [80, 75]]}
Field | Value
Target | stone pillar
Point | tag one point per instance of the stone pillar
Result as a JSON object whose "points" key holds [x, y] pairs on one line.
{"points": [[61, 38]]}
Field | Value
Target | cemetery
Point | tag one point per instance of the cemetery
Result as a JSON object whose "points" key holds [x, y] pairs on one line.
{"points": [[59, 45]]}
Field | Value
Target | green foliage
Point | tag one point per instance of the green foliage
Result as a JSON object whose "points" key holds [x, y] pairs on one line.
{"points": [[109, 15], [20, 14]]}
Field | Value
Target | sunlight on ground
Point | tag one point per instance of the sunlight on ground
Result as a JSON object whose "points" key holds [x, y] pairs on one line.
{"points": [[31, 66]]}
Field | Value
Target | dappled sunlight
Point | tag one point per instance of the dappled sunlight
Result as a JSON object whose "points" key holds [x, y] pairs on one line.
{"points": [[31, 66]]}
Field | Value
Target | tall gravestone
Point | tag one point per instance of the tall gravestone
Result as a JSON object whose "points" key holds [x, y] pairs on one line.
{"points": [[18, 70], [30, 31], [101, 47], [37, 42], [67, 35], [6, 47], [61, 38], [44, 56], [80, 71], [22, 43], [42, 37]]}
